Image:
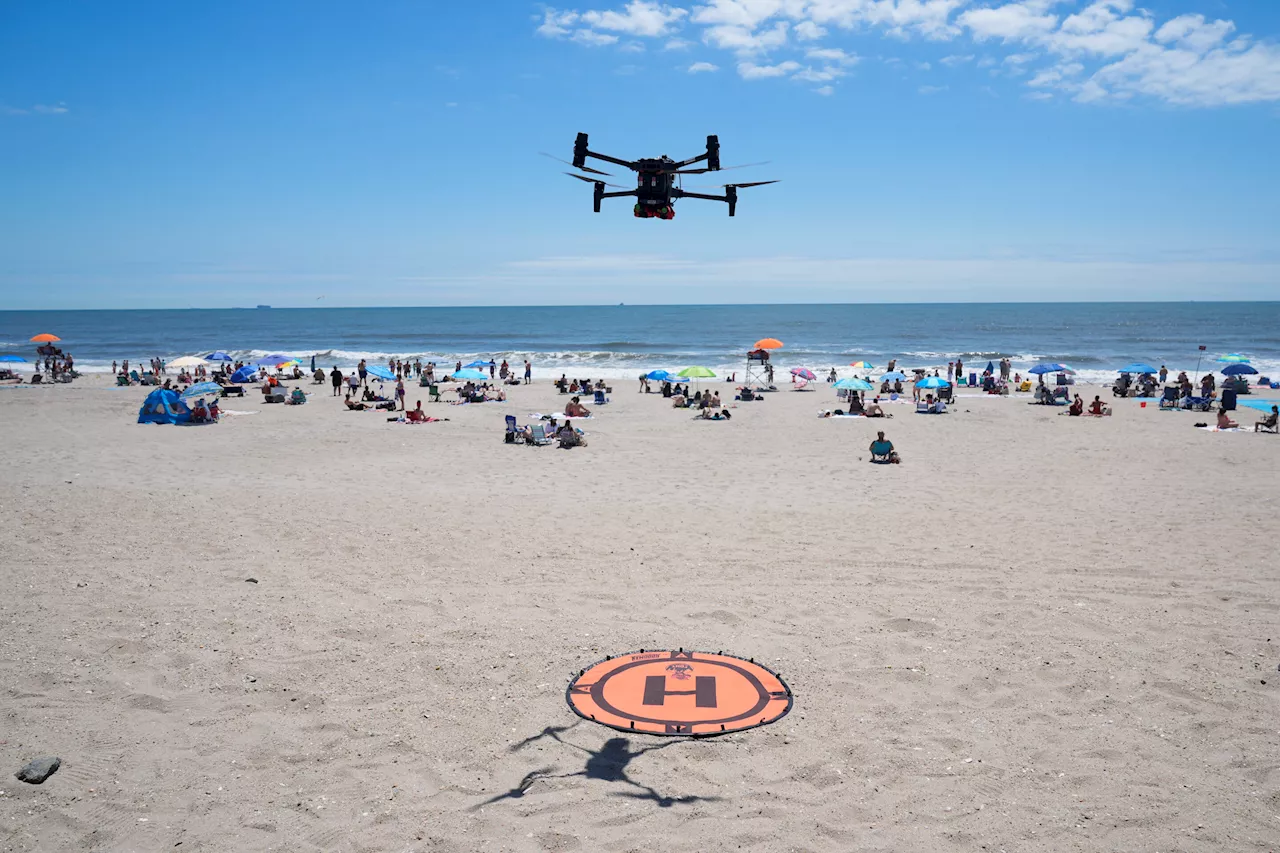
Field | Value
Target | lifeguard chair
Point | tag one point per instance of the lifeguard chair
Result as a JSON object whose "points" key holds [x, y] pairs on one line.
{"points": [[758, 371]]}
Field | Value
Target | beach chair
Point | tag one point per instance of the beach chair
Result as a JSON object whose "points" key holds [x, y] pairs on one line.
{"points": [[37, 378], [122, 379], [923, 408], [540, 436], [880, 451], [601, 399], [514, 433], [1170, 399], [433, 393], [297, 397]]}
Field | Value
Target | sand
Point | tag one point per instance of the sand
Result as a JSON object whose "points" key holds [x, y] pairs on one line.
{"points": [[1038, 633]]}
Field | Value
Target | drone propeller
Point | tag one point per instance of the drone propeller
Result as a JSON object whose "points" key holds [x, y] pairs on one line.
{"points": [[735, 186], [721, 169], [567, 163], [594, 181]]}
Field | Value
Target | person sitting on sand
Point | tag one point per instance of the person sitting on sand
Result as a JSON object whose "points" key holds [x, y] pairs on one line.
{"points": [[199, 413], [575, 409], [416, 415], [1077, 407], [1225, 422], [355, 407], [883, 447], [873, 410], [1097, 408], [213, 410], [569, 437], [678, 401], [1271, 423]]}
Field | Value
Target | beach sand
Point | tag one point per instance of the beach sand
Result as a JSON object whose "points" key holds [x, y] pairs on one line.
{"points": [[1039, 633]]}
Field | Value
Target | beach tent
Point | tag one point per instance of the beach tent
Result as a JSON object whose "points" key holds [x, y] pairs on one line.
{"points": [[163, 406], [245, 374]]}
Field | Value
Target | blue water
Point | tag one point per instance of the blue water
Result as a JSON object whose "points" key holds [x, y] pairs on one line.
{"points": [[620, 341]]}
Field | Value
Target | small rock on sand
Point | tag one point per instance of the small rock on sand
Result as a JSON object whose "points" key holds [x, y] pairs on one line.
{"points": [[39, 770]]}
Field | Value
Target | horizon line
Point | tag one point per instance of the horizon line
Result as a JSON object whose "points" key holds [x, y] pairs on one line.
{"points": [[659, 305]]}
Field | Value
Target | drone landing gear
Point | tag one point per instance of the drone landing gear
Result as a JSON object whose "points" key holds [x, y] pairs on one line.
{"points": [[664, 211]]}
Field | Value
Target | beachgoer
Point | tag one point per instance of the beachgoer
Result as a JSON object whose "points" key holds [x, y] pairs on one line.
{"points": [[363, 370], [354, 381], [528, 372], [400, 393], [883, 447], [1271, 423], [575, 409], [1225, 422], [1077, 407], [1096, 407], [417, 415], [1164, 374], [213, 409]]}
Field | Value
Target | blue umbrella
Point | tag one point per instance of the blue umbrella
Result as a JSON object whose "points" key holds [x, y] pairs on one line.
{"points": [[274, 358], [470, 374], [477, 364], [991, 367], [244, 374], [202, 389], [894, 375], [933, 382], [379, 371], [855, 384], [218, 356], [1053, 367], [659, 376], [1238, 369], [12, 358], [1138, 367]]}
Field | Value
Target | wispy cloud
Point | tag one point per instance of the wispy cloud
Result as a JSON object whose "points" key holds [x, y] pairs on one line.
{"points": [[700, 67], [57, 109], [1125, 51]]}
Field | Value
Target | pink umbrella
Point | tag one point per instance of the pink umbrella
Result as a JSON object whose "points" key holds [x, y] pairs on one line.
{"points": [[803, 373]]}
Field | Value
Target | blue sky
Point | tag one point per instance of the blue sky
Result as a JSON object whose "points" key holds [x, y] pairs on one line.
{"points": [[162, 154]]}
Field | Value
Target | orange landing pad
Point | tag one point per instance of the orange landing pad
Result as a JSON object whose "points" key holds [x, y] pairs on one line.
{"points": [[679, 693]]}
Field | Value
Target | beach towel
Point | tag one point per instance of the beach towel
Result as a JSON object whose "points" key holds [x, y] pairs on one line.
{"points": [[1214, 428], [560, 417]]}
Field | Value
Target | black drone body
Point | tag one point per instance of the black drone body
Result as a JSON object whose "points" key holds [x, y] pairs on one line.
{"points": [[657, 179]]}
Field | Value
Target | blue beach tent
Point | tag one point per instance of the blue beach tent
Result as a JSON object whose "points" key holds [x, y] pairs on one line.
{"points": [[163, 406]]}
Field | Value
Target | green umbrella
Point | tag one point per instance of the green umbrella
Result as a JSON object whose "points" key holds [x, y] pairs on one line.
{"points": [[697, 372]]}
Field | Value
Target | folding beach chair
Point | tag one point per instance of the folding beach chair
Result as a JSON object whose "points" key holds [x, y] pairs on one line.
{"points": [[601, 399], [1169, 400], [514, 434], [540, 435], [880, 451], [433, 393]]}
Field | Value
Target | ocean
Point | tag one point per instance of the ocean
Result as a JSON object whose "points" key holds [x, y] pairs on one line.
{"points": [[619, 342]]}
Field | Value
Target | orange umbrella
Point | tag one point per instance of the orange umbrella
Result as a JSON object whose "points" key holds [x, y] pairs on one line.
{"points": [[769, 343], [46, 338]]}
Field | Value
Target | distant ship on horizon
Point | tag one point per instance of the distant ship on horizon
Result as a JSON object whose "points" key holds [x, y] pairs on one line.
{"points": [[264, 306]]}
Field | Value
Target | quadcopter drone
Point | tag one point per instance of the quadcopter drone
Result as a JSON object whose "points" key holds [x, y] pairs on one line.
{"points": [[657, 179]]}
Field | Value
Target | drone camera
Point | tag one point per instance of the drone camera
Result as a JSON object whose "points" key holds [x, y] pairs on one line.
{"points": [[580, 151], [713, 153]]}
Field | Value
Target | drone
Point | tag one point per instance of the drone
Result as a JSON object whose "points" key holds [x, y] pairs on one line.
{"points": [[657, 179]]}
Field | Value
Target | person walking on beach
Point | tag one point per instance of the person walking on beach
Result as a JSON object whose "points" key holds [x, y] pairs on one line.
{"points": [[493, 369], [400, 393], [1164, 374], [113, 368], [951, 366], [335, 376], [959, 369], [528, 372], [363, 370]]}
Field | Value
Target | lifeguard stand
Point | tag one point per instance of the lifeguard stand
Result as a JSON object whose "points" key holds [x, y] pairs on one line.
{"points": [[757, 378]]}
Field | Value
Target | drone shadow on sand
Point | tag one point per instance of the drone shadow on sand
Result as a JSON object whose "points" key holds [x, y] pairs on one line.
{"points": [[609, 763]]}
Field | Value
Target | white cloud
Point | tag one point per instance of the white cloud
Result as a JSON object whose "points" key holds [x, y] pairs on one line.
{"points": [[832, 54], [825, 91], [699, 67], [57, 109], [931, 90], [1039, 96], [750, 71], [924, 66], [637, 18], [1124, 50], [745, 41], [808, 31], [819, 75], [592, 38]]}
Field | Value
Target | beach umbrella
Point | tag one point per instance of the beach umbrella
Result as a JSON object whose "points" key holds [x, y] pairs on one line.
{"points": [[479, 363], [659, 376], [468, 373], [244, 374], [290, 363], [933, 382], [991, 367], [768, 343], [202, 389], [697, 372], [218, 356], [855, 384], [380, 372], [313, 362], [1232, 358], [894, 375], [1050, 367], [803, 373], [1239, 369], [1138, 367], [862, 365], [273, 358], [45, 338], [12, 358], [188, 361]]}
